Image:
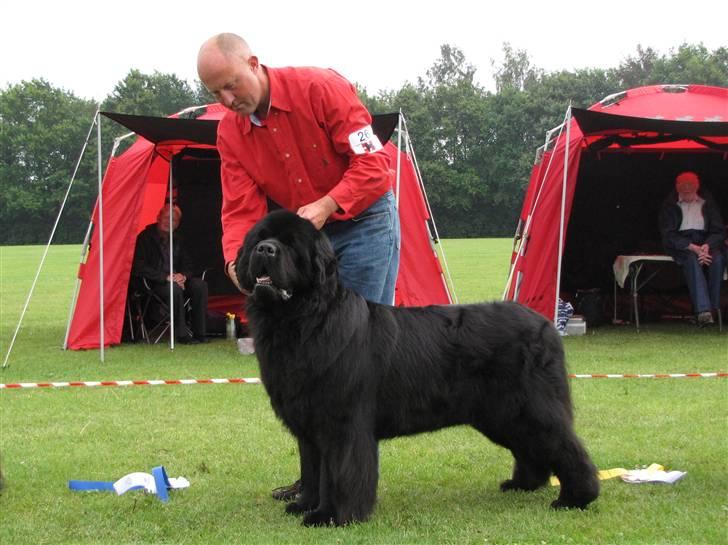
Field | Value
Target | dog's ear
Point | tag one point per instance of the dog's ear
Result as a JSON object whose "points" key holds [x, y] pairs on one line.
{"points": [[243, 258], [324, 260]]}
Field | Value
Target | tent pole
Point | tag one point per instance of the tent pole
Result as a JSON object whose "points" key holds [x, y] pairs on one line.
{"points": [[411, 150], [399, 157], [50, 239], [84, 252], [101, 242], [171, 259], [527, 228], [398, 174], [563, 213]]}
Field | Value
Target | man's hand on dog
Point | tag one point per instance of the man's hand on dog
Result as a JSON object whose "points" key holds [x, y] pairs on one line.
{"points": [[230, 271], [318, 211]]}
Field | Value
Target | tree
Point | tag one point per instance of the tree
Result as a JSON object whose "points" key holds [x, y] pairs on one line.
{"points": [[635, 71], [156, 94], [43, 130], [202, 95], [686, 64], [474, 148], [516, 71], [692, 64]]}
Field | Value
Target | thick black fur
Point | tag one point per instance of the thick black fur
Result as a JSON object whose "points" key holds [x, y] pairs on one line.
{"points": [[343, 373]]}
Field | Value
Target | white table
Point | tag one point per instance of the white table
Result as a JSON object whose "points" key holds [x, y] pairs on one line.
{"points": [[630, 266]]}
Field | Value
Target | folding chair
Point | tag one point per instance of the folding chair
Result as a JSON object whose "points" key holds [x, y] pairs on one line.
{"points": [[134, 319], [155, 313]]}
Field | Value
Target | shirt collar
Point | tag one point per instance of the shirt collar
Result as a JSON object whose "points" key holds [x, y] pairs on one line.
{"points": [[698, 200], [279, 99]]}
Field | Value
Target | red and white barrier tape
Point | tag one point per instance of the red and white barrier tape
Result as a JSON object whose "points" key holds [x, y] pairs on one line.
{"points": [[656, 375], [91, 384], [22, 385]]}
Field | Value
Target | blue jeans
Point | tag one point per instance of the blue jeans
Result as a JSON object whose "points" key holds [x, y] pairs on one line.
{"points": [[367, 249], [704, 288]]}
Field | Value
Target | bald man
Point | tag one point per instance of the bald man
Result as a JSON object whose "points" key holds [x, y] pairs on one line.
{"points": [[301, 138], [151, 261]]}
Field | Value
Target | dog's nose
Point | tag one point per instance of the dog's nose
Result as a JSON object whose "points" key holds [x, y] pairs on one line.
{"points": [[266, 248]]}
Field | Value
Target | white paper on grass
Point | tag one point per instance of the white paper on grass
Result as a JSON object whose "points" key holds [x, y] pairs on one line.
{"points": [[637, 476], [137, 480]]}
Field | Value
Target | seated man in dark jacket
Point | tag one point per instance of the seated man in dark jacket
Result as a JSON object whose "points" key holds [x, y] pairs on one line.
{"points": [[693, 234], [151, 261]]}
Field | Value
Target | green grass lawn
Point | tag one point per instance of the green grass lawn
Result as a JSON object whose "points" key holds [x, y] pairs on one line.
{"points": [[435, 488]]}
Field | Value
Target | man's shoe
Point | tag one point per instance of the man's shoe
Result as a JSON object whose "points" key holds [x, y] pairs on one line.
{"points": [[287, 493], [202, 340], [705, 318], [188, 340]]}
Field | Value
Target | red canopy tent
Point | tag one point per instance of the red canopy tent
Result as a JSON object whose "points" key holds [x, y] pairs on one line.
{"points": [[598, 182], [136, 185]]}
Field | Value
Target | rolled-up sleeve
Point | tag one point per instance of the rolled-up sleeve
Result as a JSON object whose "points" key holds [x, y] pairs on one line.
{"points": [[344, 115]]}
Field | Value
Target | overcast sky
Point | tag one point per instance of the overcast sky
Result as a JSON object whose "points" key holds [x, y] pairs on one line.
{"points": [[87, 47]]}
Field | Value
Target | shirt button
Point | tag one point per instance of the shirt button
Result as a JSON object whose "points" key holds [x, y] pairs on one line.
{"points": [[314, 146], [298, 180], [275, 129], [286, 155]]}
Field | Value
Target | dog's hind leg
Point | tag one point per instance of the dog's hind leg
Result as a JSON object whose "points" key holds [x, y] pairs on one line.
{"points": [[576, 472], [349, 475], [529, 472], [308, 499]]}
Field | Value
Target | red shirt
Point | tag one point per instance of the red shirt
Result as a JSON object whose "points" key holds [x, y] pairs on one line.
{"points": [[308, 147]]}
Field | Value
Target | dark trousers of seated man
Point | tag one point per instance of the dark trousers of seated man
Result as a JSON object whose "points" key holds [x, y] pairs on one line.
{"points": [[196, 290], [703, 280]]}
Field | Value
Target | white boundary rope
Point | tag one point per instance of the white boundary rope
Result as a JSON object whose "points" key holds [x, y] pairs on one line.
{"points": [[254, 380]]}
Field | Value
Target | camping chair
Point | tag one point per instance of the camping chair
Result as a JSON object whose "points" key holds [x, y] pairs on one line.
{"points": [[134, 318], [156, 315]]}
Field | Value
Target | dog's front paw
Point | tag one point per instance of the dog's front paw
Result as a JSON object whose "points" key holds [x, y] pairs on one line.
{"points": [[318, 518], [509, 484], [298, 507], [561, 504]]}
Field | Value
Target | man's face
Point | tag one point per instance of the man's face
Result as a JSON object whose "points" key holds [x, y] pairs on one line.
{"points": [[163, 219], [233, 81], [687, 192]]}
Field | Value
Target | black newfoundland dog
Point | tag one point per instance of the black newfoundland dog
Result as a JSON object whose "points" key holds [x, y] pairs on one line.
{"points": [[343, 373]]}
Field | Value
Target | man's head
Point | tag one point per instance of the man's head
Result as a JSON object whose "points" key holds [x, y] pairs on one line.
{"points": [[687, 185], [231, 72], [163, 218]]}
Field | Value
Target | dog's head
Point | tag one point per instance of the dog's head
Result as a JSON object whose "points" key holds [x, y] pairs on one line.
{"points": [[284, 256]]}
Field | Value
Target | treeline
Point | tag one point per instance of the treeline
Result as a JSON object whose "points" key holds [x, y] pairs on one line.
{"points": [[475, 147]]}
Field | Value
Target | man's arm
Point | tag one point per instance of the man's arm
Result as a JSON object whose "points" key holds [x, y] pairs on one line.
{"points": [[348, 123], [243, 203], [143, 265], [669, 229], [713, 225]]}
